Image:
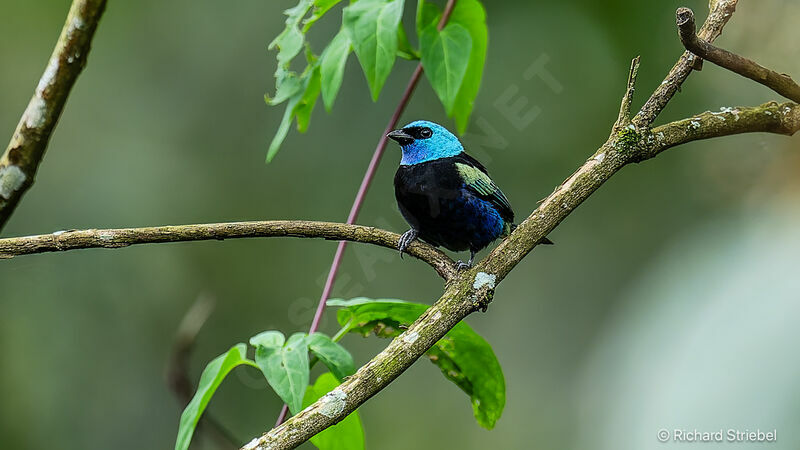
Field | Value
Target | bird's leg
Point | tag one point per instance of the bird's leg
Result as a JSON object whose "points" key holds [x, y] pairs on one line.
{"points": [[461, 265], [405, 240]]}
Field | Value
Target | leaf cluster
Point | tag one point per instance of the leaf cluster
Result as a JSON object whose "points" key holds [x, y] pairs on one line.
{"points": [[452, 57]]}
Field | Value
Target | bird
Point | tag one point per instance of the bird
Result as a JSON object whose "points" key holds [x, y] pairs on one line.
{"points": [[445, 195]]}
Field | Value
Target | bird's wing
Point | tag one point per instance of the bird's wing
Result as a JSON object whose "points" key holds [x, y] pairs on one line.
{"points": [[476, 179]]}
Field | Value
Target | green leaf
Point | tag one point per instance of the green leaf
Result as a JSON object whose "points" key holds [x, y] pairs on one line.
{"points": [[268, 339], [300, 105], [332, 63], [427, 14], [333, 355], [210, 380], [290, 40], [289, 44], [373, 26], [307, 102], [463, 356], [320, 8], [470, 16], [283, 128], [347, 434], [445, 55], [404, 48], [299, 91], [285, 365]]}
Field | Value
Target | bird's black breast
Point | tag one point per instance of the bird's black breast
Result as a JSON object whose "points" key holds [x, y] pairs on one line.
{"points": [[422, 189]]}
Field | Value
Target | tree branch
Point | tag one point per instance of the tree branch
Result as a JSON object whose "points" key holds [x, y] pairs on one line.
{"points": [[770, 117], [123, 237], [21, 159], [780, 83]]}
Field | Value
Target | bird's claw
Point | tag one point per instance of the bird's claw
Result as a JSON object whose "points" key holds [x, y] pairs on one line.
{"points": [[405, 240], [461, 265]]}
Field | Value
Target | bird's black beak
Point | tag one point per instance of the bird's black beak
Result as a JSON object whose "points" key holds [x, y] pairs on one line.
{"points": [[400, 136]]}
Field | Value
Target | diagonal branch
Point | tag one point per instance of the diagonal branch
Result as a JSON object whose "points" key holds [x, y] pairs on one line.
{"points": [[123, 237], [778, 82], [21, 159]]}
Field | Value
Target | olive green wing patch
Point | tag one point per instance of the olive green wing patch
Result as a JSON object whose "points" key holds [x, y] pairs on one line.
{"points": [[481, 184]]}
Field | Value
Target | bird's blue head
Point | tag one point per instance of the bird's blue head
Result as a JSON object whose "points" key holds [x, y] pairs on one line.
{"points": [[424, 141]]}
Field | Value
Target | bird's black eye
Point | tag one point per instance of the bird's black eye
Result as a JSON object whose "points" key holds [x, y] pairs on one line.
{"points": [[425, 133]]}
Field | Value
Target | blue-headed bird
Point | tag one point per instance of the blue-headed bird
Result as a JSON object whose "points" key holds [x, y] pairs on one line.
{"points": [[446, 195]]}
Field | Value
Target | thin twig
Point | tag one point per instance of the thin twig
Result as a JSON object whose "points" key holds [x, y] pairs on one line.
{"points": [[362, 190], [123, 237], [21, 159], [781, 83], [624, 117]]}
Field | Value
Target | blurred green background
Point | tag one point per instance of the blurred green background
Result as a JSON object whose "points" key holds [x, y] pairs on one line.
{"points": [[669, 300]]}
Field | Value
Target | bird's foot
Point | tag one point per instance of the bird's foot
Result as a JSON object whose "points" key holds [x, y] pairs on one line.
{"points": [[405, 240], [461, 265]]}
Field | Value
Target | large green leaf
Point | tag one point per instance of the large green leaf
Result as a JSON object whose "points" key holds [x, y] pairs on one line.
{"points": [[443, 71], [210, 380], [333, 355], [347, 434], [373, 27], [332, 63], [463, 356], [445, 55], [284, 364], [470, 15]]}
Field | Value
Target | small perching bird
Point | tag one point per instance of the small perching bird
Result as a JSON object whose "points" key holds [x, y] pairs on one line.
{"points": [[446, 195]]}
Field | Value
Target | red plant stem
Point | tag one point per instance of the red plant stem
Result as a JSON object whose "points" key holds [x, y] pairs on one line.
{"points": [[362, 190]]}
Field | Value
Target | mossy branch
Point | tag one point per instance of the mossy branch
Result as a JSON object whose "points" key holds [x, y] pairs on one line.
{"points": [[21, 159], [122, 237], [772, 117]]}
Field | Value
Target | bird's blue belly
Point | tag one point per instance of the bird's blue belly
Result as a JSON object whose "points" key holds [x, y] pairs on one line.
{"points": [[463, 222]]}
